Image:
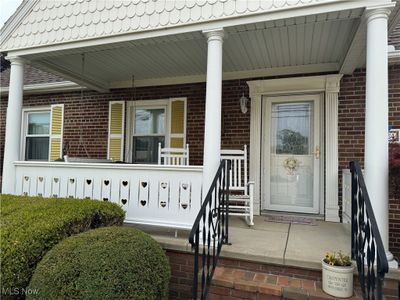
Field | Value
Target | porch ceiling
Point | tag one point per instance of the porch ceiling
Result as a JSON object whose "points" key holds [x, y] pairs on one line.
{"points": [[316, 42]]}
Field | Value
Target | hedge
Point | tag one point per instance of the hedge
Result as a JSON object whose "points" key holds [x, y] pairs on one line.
{"points": [[105, 263], [30, 226]]}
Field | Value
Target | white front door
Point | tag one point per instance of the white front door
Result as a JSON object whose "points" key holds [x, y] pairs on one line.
{"points": [[291, 153]]}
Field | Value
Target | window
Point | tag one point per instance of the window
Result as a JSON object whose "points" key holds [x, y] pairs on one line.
{"points": [[37, 135], [148, 130]]}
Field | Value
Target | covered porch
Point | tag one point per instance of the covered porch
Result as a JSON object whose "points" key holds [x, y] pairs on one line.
{"points": [[327, 39]]}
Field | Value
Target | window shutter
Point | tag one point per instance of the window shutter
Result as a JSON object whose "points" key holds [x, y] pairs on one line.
{"points": [[116, 121], [56, 131], [177, 132]]}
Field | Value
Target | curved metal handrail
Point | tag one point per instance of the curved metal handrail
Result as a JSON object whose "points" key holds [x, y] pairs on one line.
{"points": [[366, 242]]}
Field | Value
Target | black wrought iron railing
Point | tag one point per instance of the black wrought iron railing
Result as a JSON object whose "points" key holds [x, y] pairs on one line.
{"points": [[366, 243], [210, 231]]}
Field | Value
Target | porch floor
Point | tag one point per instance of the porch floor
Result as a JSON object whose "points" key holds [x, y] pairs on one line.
{"points": [[269, 242]]}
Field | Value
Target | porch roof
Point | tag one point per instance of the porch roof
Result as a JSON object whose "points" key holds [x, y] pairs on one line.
{"points": [[296, 45], [40, 23], [285, 38]]}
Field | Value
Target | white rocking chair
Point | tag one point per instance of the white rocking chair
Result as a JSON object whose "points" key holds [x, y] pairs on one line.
{"points": [[241, 194], [173, 156]]}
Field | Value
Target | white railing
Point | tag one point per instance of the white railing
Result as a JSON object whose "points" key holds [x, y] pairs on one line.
{"points": [[150, 194]]}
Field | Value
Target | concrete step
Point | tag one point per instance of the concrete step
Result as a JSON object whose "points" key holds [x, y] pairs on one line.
{"points": [[235, 283]]}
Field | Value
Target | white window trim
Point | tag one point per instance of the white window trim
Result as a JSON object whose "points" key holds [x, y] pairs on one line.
{"points": [[130, 121], [24, 128]]}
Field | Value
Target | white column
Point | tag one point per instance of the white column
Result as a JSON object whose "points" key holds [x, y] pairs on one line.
{"points": [[332, 88], [255, 146], [13, 124], [376, 119], [212, 130]]}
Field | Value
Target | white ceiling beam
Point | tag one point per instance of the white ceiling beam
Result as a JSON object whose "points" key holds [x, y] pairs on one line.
{"points": [[355, 51], [65, 73], [394, 18], [279, 71]]}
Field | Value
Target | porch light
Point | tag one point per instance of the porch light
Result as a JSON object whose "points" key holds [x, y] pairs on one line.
{"points": [[243, 103]]}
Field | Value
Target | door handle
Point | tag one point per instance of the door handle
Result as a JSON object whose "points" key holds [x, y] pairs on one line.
{"points": [[317, 152]]}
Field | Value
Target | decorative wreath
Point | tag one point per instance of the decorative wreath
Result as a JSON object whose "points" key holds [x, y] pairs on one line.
{"points": [[291, 164]]}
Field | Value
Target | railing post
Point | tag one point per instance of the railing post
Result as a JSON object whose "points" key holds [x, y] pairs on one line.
{"points": [[367, 247], [226, 198], [212, 223], [353, 209]]}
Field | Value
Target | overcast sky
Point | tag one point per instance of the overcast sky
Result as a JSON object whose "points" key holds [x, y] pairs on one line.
{"points": [[7, 8]]}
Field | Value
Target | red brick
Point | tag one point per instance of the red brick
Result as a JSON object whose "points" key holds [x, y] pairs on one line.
{"points": [[223, 281], [219, 290], [243, 294], [270, 289], [296, 283], [283, 280], [308, 284], [259, 277], [244, 285]]}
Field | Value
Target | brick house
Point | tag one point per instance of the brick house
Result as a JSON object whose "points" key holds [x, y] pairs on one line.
{"points": [[110, 80]]}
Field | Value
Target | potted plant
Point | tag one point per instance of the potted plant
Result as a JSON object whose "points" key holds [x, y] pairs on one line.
{"points": [[337, 275]]}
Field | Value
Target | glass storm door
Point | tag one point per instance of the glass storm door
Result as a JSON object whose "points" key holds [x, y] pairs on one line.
{"points": [[292, 153]]}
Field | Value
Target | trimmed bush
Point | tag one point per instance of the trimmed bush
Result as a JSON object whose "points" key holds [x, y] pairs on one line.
{"points": [[30, 226], [105, 263]]}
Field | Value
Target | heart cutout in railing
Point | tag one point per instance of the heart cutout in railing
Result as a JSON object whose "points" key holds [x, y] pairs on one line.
{"points": [[164, 185], [106, 182], [144, 184], [25, 194], [143, 202], [124, 183], [89, 181], [40, 194], [55, 195], [71, 197], [40, 179], [185, 186], [72, 180], [184, 205], [163, 204], [87, 198], [105, 199], [55, 179], [26, 178], [124, 201]]}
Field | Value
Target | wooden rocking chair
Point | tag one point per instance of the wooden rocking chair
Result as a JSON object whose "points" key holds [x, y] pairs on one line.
{"points": [[241, 194], [173, 156]]}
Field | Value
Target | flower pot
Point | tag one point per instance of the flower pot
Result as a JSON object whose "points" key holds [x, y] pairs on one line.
{"points": [[337, 281]]}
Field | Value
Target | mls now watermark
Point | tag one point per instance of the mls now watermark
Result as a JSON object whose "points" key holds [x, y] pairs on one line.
{"points": [[19, 291]]}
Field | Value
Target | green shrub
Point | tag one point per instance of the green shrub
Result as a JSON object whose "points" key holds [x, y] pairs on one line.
{"points": [[30, 226], [105, 263]]}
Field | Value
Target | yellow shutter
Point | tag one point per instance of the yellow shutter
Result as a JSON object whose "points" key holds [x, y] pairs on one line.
{"points": [[178, 123], [56, 131], [116, 120]]}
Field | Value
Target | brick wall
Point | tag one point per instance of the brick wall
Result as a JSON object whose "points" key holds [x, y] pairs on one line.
{"points": [[86, 119], [351, 134]]}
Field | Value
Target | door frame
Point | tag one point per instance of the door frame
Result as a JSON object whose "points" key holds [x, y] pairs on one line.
{"points": [[318, 130], [330, 86]]}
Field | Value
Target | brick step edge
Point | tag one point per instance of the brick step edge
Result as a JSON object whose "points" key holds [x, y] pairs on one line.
{"points": [[231, 283]]}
